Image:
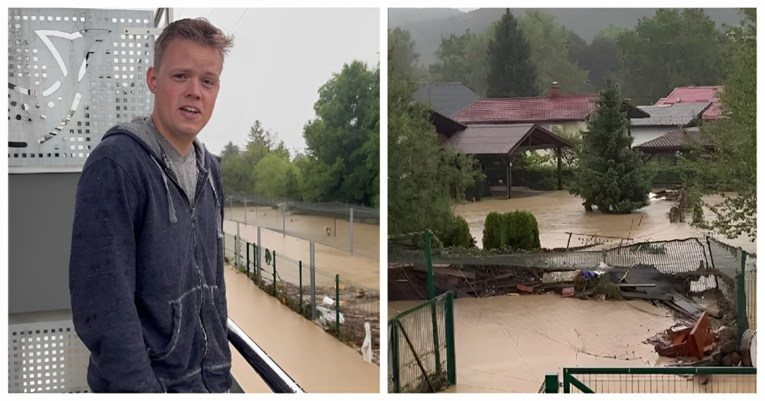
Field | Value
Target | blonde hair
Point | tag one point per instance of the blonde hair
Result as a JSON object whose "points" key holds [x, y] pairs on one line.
{"points": [[197, 30]]}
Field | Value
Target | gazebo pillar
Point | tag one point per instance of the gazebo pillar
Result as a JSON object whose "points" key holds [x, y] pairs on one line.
{"points": [[560, 169], [509, 164]]}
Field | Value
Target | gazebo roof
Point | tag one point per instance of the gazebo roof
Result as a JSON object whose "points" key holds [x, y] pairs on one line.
{"points": [[501, 139]]}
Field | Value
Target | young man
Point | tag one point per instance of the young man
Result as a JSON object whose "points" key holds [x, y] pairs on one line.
{"points": [[146, 268]]}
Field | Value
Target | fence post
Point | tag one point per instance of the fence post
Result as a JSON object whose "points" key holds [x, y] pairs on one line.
{"points": [[351, 231], [312, 266], [337, 304], [741, 320], [394, 355], [273, 261], [257, 263], [247, 266], [566, 381], [551, 383], [300, 282], [451, 363], [428, 260], [237, 247]]}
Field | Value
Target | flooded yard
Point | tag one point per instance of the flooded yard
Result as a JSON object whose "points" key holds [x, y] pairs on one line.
{"points": [[558, 213], [508, 343]]}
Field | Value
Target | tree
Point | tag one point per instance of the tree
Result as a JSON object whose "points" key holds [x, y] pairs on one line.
{"points": [[237, 175], [422, 176], [230, 150], [733, 163], [346, 132], [674, 48], [549, 54], [271, 176], [512, 72], [462, 59], [402, 54], [611, 174]]}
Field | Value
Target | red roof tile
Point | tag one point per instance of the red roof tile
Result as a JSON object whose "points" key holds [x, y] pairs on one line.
{"points": [[527, 110], [691, 94]]}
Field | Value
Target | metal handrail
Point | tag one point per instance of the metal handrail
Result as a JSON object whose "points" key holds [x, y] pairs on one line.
{"points": [[272, 374]]}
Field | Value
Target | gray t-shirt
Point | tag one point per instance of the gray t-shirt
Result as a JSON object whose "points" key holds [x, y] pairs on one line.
{"points": [[184, 167]]}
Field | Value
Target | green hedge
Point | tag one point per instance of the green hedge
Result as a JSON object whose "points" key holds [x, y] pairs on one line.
{"points": [[517, 230], [457, 233]]}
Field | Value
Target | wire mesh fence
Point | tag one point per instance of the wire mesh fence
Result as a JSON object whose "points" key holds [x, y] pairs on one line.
{"points": [[334, 224], [421, 347], [340, 306], [660, 380]]}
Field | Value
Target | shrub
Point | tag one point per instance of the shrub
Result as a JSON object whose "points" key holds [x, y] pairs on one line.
{"points": [[524, 230], [494, 235], [517, 230], [457, 233]]}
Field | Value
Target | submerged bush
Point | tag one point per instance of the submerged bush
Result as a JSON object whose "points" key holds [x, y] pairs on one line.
{"points": [[457, 233], [517, 230]]}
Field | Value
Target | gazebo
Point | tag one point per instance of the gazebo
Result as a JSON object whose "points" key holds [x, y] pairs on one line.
{"points": [[496, 144]]}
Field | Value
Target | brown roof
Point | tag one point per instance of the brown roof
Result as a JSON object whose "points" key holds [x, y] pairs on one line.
{"points": [[527, 110], [498, 139], [681, 139]]}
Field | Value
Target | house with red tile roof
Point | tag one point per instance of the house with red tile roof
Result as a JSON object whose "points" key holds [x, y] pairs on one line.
{"points": [[694, 94], [557, 113]]}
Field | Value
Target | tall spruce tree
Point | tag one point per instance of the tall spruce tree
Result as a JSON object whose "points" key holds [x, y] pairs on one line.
{"points": [[611, 175], [512, 73]]}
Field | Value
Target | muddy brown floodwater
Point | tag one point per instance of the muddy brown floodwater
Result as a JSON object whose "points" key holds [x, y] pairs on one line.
{"points": [[317, 361], [509, 343], [558, 212], [359, 269]]}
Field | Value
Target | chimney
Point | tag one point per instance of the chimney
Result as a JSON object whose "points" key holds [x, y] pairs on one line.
{"points": [[555, 92]]}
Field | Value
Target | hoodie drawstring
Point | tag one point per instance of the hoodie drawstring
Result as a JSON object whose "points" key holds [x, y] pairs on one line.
{"points": [[170, 206]]}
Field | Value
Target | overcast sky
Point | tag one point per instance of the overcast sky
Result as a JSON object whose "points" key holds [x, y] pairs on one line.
{"points": [[280, 59]]}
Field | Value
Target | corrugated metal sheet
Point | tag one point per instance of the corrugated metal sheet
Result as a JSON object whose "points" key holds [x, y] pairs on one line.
{"points": [[684, 94], [673, 115]]}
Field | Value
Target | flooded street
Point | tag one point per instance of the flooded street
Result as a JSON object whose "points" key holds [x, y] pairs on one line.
{"points": [[558, 212], [359, 269], [317, 361], [508, 343]]}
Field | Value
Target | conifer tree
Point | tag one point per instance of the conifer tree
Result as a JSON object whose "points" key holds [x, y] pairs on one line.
{"points": [[512, 73], [611, 175]]}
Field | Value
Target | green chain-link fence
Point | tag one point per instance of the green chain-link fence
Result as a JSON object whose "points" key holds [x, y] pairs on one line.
{"points": [[654, 380], [421, 347], [341, 306]]}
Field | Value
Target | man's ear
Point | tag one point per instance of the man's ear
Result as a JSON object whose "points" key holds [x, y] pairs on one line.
{"points": [[151, 79]]}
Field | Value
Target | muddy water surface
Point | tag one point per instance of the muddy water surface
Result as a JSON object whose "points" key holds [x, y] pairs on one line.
{"points": [[359, 269], [508, 343], [318, 362], [366, 237], [558, 212]]}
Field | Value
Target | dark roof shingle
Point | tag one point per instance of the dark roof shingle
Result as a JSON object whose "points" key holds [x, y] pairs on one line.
{"points": [[445, 98], [681, 139]]}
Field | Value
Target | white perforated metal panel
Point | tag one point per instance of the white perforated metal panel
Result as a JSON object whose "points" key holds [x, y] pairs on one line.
{"points": [[73, 74], [46, 357]]}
